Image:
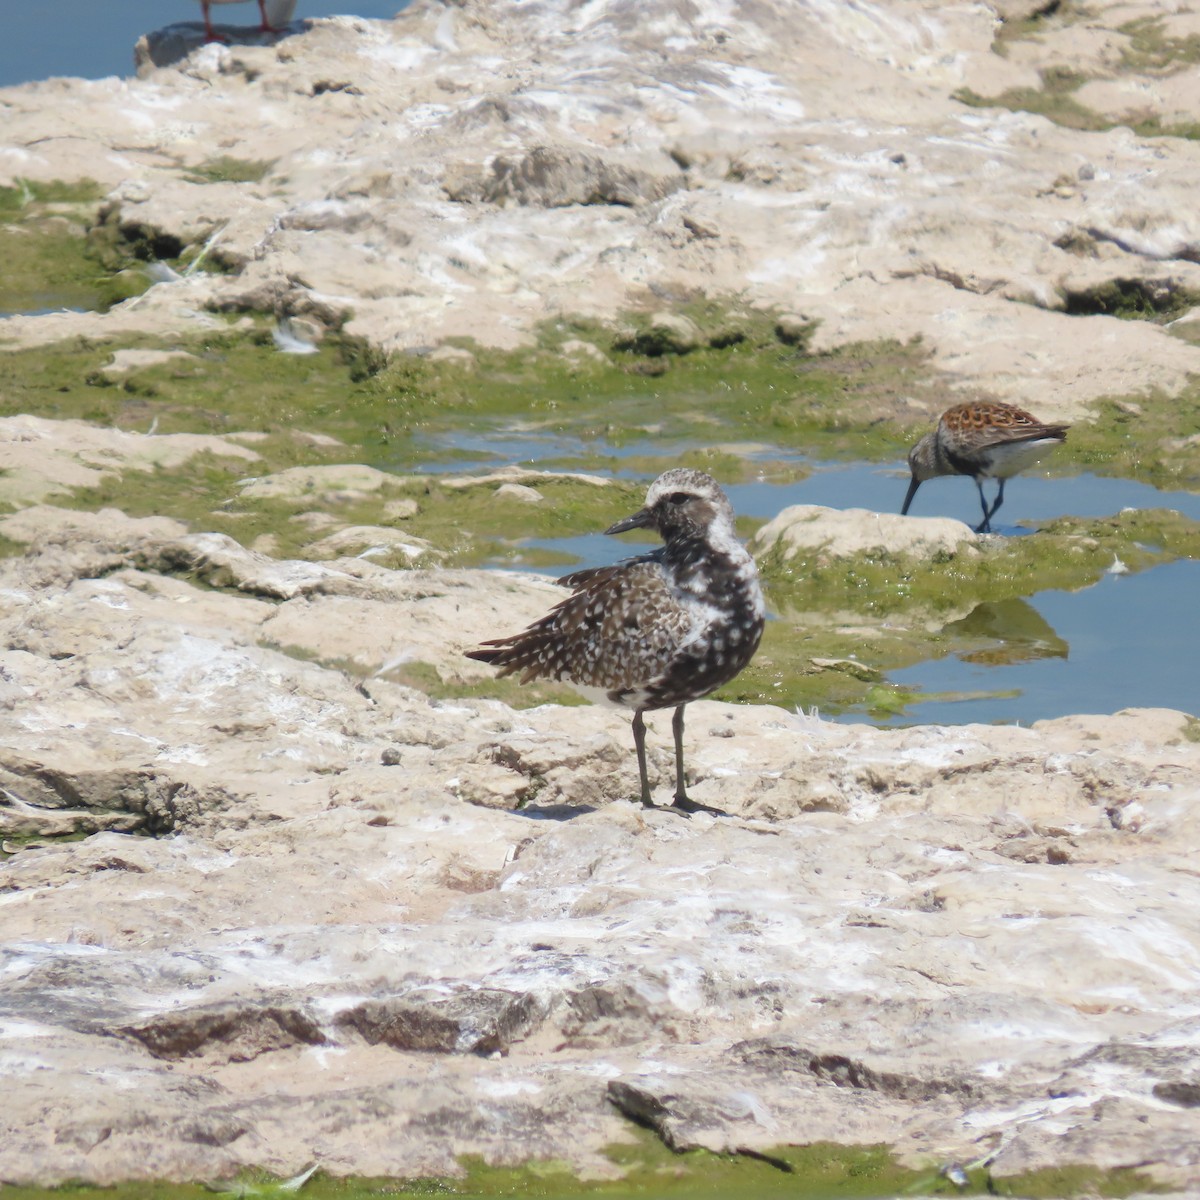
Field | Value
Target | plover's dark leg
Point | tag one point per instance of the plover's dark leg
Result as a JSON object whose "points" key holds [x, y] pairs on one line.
{"points": [[677, 729], [639, 744], [682, 802]]}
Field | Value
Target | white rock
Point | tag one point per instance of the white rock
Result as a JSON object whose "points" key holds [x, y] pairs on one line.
{"points": [[519, 492], [846, 533]]}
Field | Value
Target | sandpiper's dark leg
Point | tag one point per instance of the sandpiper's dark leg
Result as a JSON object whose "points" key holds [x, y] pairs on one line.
{"points": [[639, 743], [984, 526], [682, 803], [999, 501]]}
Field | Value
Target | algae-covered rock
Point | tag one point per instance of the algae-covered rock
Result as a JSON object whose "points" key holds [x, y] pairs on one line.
{"points": [[844, 533], [321, 484], [40, 458]]}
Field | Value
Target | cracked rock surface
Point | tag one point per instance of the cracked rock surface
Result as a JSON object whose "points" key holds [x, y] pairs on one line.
{"points": [[475, 167], [312, 915], [376, 931]]}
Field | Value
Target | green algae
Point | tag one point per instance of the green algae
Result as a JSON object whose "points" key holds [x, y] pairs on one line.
{"points": [[1132, 300], [49, 262], [29, 194], [399, 415], [11, 844], [645, 1168], [1151, 50], [1054, 14], [753, 397], [425, 677], [225, 169], [1152, 439], [1054, 1182], [892, 612], [63, 248], [1054, 100]]}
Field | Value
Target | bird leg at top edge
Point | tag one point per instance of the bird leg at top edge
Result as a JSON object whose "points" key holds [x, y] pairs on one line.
{"points": [[266, 26]]}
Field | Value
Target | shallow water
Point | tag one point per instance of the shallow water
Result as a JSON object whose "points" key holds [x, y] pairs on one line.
{"points": [[1123, 642], [95, 38], [44, 305]]}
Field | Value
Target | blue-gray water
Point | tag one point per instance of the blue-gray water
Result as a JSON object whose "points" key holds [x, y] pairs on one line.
{"points": [[1126, 641], [95, 38]]}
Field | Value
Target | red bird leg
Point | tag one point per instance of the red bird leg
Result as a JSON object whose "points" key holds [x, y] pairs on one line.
{"points": [[266, 26], [210, 34]]}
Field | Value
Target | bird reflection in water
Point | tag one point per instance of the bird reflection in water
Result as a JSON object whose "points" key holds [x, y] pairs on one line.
{"points": [[1012, 631]]}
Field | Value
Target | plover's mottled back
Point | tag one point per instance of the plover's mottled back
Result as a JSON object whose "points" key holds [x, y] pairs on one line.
{"points": [[985, 441], [655, 631]]}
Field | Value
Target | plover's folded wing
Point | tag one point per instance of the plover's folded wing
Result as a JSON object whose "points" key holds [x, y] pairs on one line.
{"points": [[620, 629]]}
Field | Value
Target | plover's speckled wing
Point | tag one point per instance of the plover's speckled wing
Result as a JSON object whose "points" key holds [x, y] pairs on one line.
{"points": [[620, 629]]}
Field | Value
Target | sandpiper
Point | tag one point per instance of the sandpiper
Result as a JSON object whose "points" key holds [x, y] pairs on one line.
{"points": [[656, 631], [985, 441]]}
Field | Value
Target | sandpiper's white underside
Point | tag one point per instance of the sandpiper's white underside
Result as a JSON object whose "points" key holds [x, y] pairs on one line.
{"points": [[1011, 458]]}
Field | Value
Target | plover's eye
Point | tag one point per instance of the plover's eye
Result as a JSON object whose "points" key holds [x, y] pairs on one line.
{"points": [[678, 498]]}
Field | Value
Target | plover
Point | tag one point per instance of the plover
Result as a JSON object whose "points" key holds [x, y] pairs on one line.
{"points": [[656, 631], [985, 441]]}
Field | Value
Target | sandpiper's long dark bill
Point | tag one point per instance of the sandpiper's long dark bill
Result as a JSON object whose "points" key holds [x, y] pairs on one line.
{"points": [[656, 631], [985, 441]]}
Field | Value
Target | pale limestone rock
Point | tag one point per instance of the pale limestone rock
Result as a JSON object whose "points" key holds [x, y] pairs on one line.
{"points": [[125, 361], [846, 533], [453, 354], [552, 177], [358, 628], [44, 524], [979, 910], [316, 521], [676, 333], [368, 541], [793, 328], [955, 941], [41, 458], [522, 475], [402, 509], [578, 348], [585, 173], [518, 492], [323, 484]]}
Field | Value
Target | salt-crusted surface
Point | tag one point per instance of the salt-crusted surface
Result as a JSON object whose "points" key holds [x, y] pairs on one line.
{"points": [[347, 944], [377, 932], [474, 168]]}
